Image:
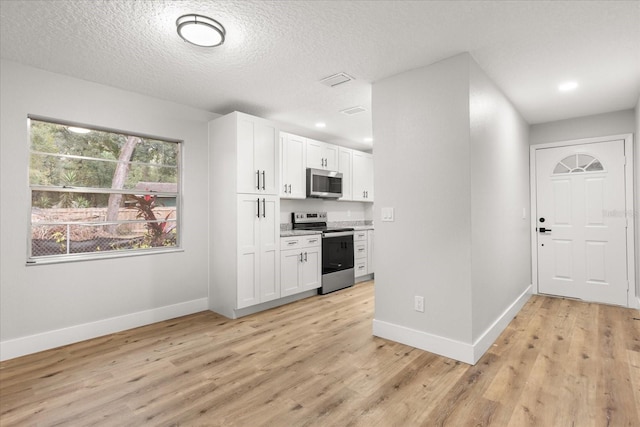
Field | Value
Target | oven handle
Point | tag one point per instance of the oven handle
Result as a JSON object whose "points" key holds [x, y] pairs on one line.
{"points": [[337, 234]]}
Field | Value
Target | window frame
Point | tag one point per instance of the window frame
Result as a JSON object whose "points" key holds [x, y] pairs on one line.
{"points": [[89, 256]]}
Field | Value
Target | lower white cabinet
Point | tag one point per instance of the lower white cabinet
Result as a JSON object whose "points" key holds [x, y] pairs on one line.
{"points": [[300, 264], [258, 239], [363, 252]]}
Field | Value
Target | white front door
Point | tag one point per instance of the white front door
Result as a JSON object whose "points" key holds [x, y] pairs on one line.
{"points": [[581, 222]]}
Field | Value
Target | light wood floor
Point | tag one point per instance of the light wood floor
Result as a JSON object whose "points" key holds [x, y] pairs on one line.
{"points": [[315, 363]]}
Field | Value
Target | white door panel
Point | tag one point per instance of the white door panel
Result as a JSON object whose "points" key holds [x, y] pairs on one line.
{"points": [[583, 252]]}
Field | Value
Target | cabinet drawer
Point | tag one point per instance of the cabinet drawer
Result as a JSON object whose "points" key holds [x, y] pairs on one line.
{"points": [[360, 250], [290, 242], [311, 241], [360, 236], [300, 241], [360, 267]]}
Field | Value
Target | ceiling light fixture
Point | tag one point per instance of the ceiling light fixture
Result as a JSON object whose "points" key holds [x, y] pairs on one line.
{"points": [[368, 139], [321, 125], [200, 30], [567, 86]]}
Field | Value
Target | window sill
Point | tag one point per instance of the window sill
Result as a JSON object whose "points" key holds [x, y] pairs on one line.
{"points": [[95, 257]]}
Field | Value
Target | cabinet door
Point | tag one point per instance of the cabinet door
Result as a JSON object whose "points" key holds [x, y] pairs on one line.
{"points": [[330, 154], [246, 161], [289, 272], [266, 156], [269, 248], [294, 172], [311, 268], [257, 151], [248, 291], [370, 252], [345, 160], [362, 176], [314, 154]]}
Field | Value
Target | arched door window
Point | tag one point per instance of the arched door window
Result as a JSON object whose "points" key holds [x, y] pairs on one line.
{"points": [[578, 163]]}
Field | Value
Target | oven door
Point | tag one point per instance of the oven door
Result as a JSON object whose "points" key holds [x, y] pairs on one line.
{"points": [[337, 252]]}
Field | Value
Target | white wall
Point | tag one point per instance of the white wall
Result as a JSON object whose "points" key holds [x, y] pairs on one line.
{"points": [[614, 123], [46, 306], [637, 196], [500, 235], [421, 129], [452, 159]]}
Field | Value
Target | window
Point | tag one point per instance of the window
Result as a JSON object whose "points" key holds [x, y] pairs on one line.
{"points": [[97, 193], [577, 163]]}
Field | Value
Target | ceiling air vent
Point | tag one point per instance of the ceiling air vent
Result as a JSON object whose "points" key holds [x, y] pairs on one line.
{"points": [[336, 79], [353, 110]]}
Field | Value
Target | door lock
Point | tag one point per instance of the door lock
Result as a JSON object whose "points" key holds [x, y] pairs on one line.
{"points": [[543, 230]]}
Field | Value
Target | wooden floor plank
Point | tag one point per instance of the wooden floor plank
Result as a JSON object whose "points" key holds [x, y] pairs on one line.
{"points": [[315, 363]]}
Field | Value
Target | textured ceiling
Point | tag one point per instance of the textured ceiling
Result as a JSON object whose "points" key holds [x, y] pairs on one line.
{"points": [[277, 51]]}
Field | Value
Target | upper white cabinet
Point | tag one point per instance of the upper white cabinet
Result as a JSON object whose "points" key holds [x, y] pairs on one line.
{"points": [[257, 154], [345, 165], [321, 155], [362, 176], [293, 178]]}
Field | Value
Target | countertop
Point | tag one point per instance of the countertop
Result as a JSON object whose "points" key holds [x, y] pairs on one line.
{"points": [[292, 233]]}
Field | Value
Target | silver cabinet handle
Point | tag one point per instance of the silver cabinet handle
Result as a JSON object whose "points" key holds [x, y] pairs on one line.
{"points": [[258, 179], [300, 256], [305, 257], [313, 241], [264, 208], [293, 242], [258, 200], [263, 180], [285, 188], [289, 188]]}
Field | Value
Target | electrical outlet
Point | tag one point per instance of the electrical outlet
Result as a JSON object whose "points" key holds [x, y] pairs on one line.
{"points": [[419, 304]]}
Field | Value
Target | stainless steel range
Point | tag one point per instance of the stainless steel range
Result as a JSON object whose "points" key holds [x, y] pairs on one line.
{"points": [[337, 250]]}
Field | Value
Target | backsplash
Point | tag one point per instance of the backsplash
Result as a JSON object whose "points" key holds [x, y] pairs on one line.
{"points": [[358, 223]]}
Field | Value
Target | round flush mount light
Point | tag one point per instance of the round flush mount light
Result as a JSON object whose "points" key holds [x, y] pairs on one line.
{"points": [[567, 86], [321, 125], [200, 30], [368, 139]]}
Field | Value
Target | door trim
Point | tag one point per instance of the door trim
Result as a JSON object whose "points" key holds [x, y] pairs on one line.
{"points": [[633, 300]]}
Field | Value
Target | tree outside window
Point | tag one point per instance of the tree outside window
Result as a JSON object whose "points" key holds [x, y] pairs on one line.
{"points": [[97, 192]]}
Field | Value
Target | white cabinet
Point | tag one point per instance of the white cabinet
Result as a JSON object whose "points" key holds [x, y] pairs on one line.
{"points": [[345, 165], [244, 220], [363, 252], [257, 155], [321, 155], [293, 177], [258, 242], [362, 176], [300, 264], [370, 267]]}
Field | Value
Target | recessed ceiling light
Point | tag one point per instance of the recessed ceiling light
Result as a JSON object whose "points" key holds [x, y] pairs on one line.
{"points": [[200, 30], [567, 86], [368, 139], [78, 130], [321, 125]]}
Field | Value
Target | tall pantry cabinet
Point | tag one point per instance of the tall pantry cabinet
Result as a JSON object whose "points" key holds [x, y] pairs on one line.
{"points": [[244, 229]]}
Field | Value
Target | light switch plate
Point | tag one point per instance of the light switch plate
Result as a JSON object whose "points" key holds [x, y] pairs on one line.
{"points": [[387, 214]]}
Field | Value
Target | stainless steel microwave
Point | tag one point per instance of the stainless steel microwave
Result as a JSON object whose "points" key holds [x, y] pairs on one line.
{"points": [[324, 184]]}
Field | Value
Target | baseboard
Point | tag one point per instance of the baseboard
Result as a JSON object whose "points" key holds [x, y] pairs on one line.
{"points": [[10, 349], [437, 344], [486, 340], [458, 350]]}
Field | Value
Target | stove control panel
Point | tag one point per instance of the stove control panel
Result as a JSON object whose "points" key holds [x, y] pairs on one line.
{"points": [[302, 217]]}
